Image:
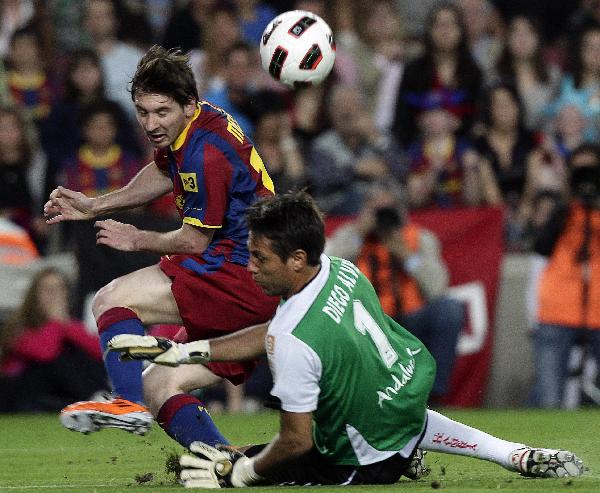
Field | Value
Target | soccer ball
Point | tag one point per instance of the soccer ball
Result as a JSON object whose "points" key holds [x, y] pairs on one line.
{"points": [[297, 49]]}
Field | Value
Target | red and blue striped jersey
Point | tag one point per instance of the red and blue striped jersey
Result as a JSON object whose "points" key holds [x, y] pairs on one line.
{"points": [[217, 173]]}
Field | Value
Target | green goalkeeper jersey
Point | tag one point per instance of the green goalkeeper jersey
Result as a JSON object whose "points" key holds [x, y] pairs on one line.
{"points": [[335, 353]]}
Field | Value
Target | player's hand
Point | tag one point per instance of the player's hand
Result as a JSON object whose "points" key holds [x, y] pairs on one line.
{"points": [[68, 205], [119, 236], [210, 467], [159, 350]]}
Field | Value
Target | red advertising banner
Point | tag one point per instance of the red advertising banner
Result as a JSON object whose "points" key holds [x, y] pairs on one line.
{"points": [[472, 247]]}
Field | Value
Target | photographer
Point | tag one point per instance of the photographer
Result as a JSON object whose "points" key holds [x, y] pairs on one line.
{"points": [[569, 285], [403, 262]]}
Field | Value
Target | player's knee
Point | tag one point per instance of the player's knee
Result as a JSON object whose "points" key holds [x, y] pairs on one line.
{"points": [[105, 299], [158, 387]]}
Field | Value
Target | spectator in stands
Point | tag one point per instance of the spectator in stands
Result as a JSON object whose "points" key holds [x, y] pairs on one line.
{"points": [[582, 82], [415, 16], [236, 94], [484, 28], [444, 169], [61, 136], [254, 16], [14, 15], [100, 165], [585, 16], [47, 358], [376, 46], [30, 87], [547, 169], [403, 262], [185, 28], [221, 32], [279, 148], [351, 154], [446, 69], [568, 289], [119, 59], [21, 174], [507, 145], [523, 64]]}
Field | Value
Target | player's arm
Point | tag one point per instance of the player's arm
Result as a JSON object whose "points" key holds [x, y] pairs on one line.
{"points": [[64, 204], [246, 344], [211, 467], [293, 441], [188, 239]]}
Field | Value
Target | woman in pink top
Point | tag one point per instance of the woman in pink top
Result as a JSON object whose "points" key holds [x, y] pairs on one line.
{"points": [[47, 358]]}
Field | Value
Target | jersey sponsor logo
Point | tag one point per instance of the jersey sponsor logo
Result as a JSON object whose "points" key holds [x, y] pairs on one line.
{"points": [[179, 201], [190, 184], [338, 298], [407, 372]]}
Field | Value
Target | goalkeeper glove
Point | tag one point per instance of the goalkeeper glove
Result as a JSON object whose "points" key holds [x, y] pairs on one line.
{"points": [[159, 350], [211, 467]]}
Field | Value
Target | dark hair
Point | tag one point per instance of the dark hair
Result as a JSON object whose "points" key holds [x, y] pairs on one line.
{"points": [[291, 221], [30, 314], [100, 106], [466, 65], [167, 72], [577, 69], [75, 59], [505, 66], [487, 103]]}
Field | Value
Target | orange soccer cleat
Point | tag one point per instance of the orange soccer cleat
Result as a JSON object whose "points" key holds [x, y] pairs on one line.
{"points": [[89, 416]]}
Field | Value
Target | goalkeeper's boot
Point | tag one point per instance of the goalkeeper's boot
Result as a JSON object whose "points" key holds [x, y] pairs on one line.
{"points": [[546, 463], [417, 468], [89, 416]]}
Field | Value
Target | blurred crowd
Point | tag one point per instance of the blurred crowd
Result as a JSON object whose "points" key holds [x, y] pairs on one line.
{"points": [[465, 103]]}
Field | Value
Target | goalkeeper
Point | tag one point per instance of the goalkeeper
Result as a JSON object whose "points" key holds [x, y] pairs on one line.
{"points": [[352, 385]]}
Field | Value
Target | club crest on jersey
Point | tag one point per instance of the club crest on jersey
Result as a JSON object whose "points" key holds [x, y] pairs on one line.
{"points": [[190, 184]]}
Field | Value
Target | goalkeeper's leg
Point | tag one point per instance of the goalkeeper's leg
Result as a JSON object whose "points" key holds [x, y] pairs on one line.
{"points": [[314, 469], [448, 436]]}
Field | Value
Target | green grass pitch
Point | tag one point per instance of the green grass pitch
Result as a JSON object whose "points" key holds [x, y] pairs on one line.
{"points": [[38, 455]]}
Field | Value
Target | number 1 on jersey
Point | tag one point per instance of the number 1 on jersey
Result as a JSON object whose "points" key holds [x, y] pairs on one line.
{"points": [[365, 323]]}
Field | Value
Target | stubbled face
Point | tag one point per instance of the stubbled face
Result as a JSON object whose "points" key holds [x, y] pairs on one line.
{"points": [[162, 118], [272, 274]]}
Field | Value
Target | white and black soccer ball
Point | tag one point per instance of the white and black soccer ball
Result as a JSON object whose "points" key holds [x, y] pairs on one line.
{"points": [[297, 49]]}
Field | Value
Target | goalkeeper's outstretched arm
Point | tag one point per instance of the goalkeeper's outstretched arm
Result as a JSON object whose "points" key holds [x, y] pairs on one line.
{"points": [[247, 344]]}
